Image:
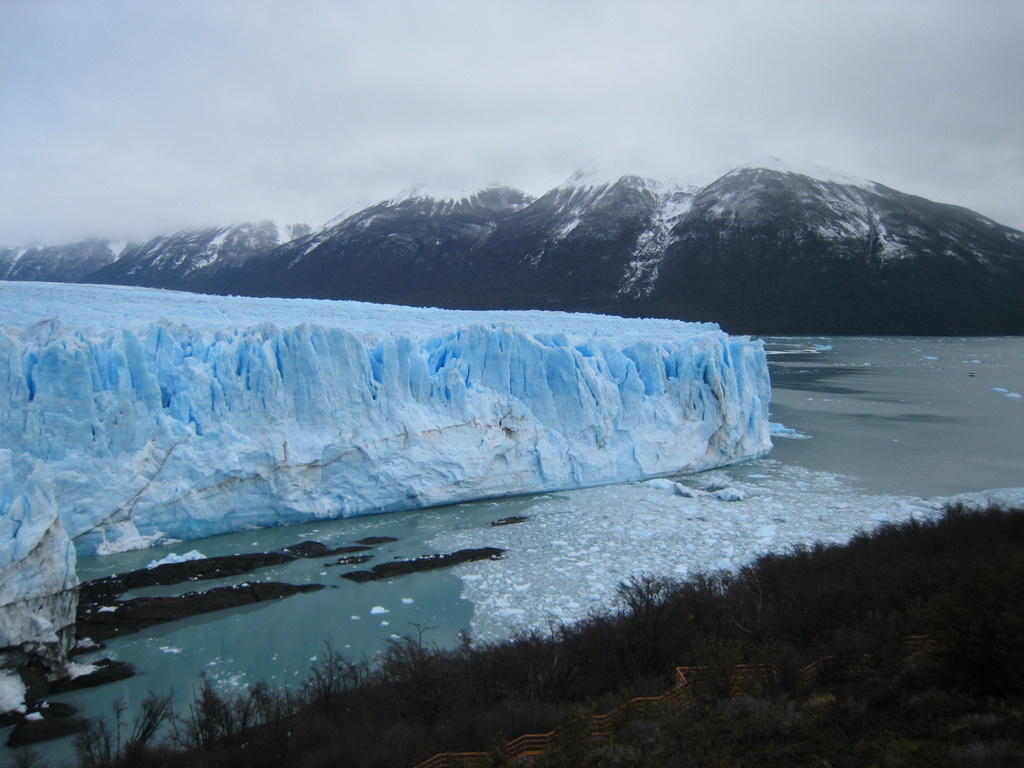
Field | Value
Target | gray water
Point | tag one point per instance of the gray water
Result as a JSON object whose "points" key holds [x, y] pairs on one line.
{"points": [[903, 415], [894, 415]]}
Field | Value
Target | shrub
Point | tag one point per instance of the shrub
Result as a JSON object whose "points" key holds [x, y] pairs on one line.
{"points": [[978, 629]]}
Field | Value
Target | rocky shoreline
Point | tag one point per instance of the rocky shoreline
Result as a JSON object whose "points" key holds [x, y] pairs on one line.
{"points": [[102, 615], [139, 613], [425, 563]]}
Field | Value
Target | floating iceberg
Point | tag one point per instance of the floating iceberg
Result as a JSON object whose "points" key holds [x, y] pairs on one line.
{"points": [[157, 416]]}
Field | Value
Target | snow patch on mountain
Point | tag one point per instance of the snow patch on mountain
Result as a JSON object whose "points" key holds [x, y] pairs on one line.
{"points": [[596, 176], [565, 229], [445, 199], [811, 170], [436, 192], [641, 274], [285, 232]]}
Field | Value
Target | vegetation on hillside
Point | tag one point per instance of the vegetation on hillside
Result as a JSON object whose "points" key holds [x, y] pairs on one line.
{"points": [[958, 579]]}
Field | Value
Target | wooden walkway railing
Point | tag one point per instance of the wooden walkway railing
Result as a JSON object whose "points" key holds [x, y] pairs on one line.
{"points": [[516, 751], [742, 679], [534, 744]]}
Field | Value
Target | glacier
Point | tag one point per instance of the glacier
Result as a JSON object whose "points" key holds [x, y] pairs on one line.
{"points": [[132, 417], [37, 568]]}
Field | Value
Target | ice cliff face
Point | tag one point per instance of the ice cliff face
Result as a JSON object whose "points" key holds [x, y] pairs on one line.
{"points": [[37, 567], [240, 414], [253, 412]]}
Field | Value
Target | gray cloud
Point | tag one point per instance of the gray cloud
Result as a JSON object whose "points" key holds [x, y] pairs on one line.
{"points": [[127, 119]]}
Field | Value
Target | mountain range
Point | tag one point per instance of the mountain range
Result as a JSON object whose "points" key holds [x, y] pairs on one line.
{"points": [[762, 249]]}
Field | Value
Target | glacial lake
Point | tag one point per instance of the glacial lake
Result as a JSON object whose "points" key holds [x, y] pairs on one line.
{"points": [[872, 429]]}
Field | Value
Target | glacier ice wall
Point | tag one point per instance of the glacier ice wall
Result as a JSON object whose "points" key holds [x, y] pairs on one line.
{"points": [[38, 598], [163, 416]]}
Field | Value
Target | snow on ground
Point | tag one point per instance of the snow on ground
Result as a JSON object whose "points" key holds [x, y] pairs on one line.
{"points": [[568, 558]]}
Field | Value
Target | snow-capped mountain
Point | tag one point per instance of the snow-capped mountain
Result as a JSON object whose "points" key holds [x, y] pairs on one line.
{"points": [[411, 244], [762, 249], [579, 244], [497, 248], [189, 260], [804, 254], [182, 260], [61, 263], [766, 248]]}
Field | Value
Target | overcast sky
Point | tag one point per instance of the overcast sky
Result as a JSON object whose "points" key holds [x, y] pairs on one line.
{"points": [[130, 119]]}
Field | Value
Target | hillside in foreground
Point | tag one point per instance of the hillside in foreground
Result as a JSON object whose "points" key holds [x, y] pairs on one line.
{"points": [[877, 698]]}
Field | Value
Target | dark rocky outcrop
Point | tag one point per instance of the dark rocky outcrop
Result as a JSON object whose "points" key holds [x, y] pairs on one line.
{"points": [[310, 549], [102, 615], [425, 563], [509, 520], [97, 592], [372, 541], [43, 720], [132, 615], [104, 671], [351, 560], [32, 731]]}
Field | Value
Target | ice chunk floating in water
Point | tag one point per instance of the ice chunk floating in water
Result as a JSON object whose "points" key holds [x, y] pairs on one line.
{"points": [[161, 415]]}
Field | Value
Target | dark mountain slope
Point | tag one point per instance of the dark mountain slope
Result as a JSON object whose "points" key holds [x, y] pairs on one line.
{"points": [[570, 248], [785, 253], [61, 263], [191, 260], [760, 250], [405, 250]]}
